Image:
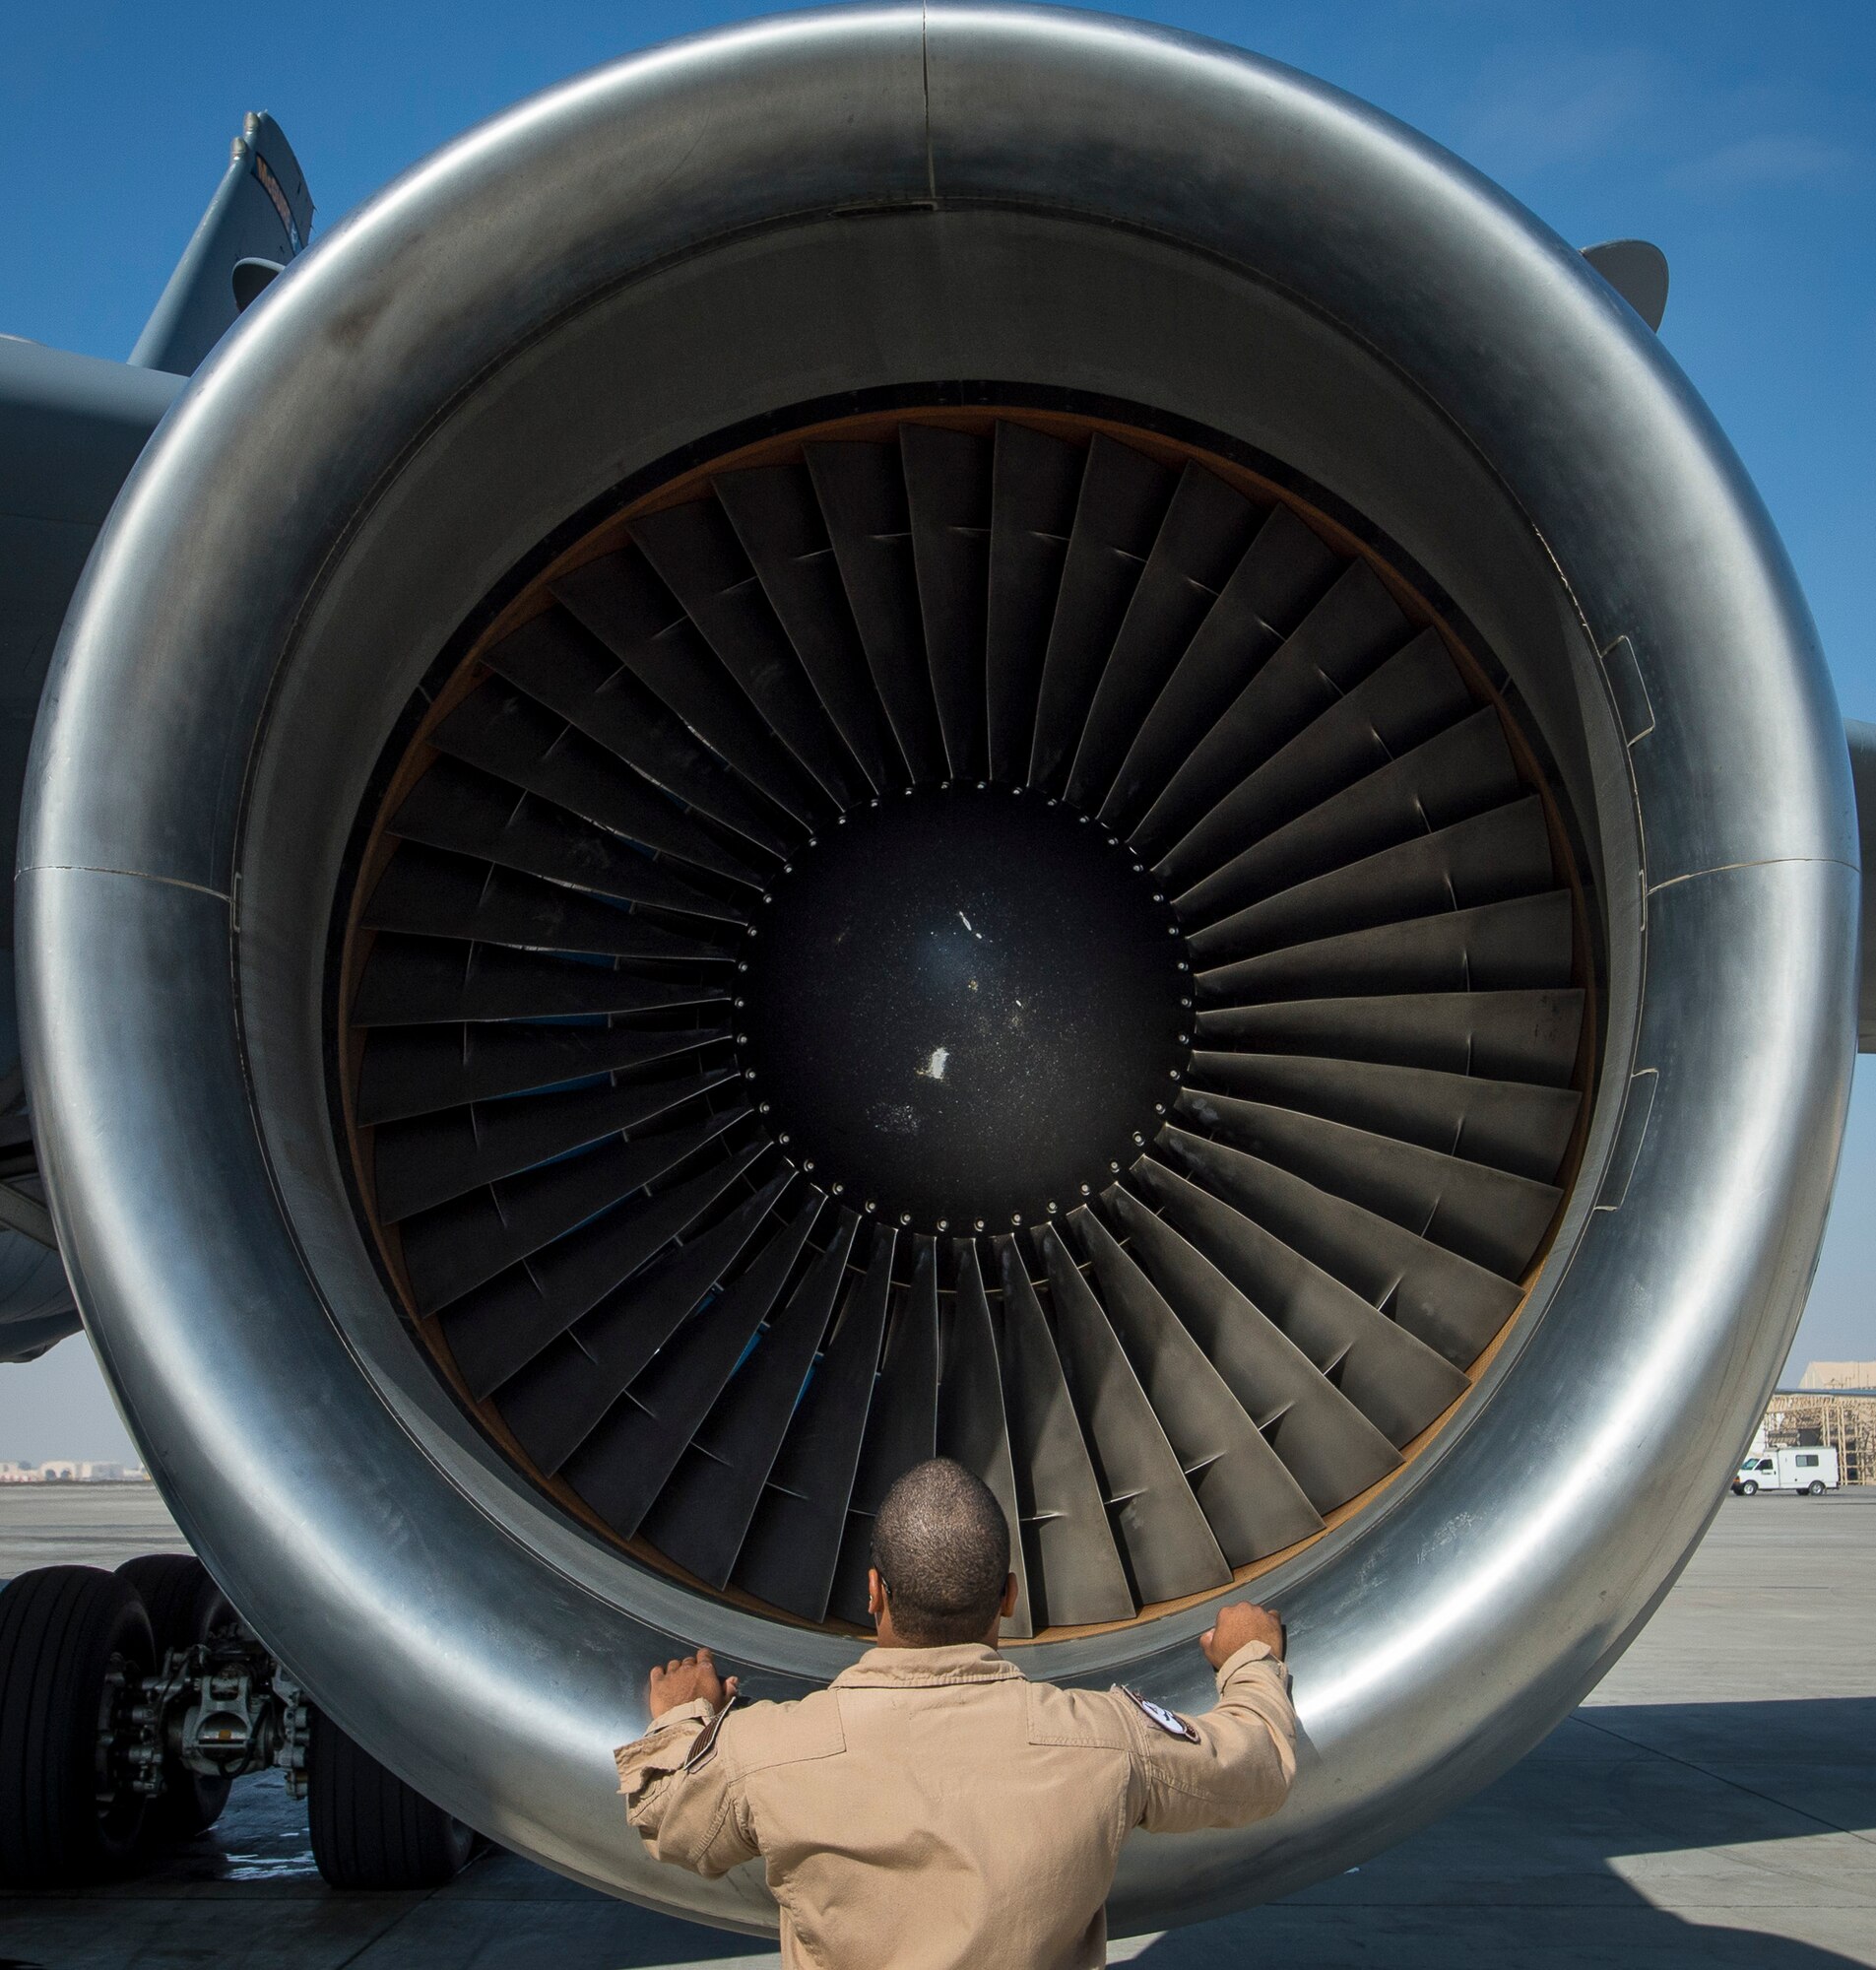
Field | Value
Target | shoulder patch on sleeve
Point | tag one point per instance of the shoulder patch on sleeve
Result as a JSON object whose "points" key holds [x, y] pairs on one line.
{"points": [[707, 1738], [1157, 1714]]}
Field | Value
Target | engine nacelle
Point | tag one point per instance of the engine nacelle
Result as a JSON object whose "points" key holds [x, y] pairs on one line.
{"points": [[941, 729]]}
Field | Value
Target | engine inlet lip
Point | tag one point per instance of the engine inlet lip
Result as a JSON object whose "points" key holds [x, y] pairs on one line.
{"points": [[1689, 661]]}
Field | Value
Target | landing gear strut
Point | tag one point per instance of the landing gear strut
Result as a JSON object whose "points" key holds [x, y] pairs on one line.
{"points": [[187, 1610]]}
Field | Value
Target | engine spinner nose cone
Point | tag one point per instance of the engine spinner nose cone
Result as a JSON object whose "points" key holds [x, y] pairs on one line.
{"points": [[967, 1004]]}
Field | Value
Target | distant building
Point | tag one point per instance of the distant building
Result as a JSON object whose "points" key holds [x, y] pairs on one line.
{"points": [[1832, 1408], [1840, 1375], [73, 1470]]}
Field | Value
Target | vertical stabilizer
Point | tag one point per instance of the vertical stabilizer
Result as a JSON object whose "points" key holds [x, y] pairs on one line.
{"points": [[259, 213]]}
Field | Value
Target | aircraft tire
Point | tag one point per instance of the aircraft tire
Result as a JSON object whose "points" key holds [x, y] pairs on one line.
{"points": [[62, 1630], [369, 1829]]}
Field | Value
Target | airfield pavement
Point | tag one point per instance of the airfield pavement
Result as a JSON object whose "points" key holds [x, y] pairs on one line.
{"points": [[1713, 1803]]}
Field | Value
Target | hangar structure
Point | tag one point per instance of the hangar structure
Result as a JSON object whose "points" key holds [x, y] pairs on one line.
{"points": [[919, 729]]}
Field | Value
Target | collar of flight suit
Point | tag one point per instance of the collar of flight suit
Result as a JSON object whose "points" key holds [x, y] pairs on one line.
{"points": [[926, 1669]]}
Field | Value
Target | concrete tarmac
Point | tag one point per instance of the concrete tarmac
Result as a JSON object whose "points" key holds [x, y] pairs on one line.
{"points": [[1713, 1804]]}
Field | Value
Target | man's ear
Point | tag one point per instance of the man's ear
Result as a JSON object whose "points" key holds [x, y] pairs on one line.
{"points": [[1009, 1597], [876, 1593]]}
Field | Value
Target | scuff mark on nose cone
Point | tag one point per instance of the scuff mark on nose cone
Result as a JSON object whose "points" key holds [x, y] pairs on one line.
{"points": [[934, 1068]]}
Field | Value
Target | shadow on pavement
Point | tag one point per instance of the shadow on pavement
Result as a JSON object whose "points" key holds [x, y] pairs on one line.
{"points": [[1635, 1835], [1735, 1836]]}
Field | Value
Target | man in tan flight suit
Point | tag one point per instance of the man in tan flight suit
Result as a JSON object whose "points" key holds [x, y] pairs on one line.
{"points": [[933, 1810]]}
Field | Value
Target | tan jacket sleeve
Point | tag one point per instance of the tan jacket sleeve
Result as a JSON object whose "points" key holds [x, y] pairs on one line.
{"points": [[1241, 1766], [684, 1796]]}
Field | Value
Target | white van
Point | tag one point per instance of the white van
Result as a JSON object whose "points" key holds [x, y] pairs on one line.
{"points": [[1812, 1471]]}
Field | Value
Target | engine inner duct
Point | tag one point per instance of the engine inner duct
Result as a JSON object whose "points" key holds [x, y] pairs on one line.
{"points": [[967, 934]]}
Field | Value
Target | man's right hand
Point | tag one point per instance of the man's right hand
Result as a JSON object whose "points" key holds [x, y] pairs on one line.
{"points": [[1239, 1623]]}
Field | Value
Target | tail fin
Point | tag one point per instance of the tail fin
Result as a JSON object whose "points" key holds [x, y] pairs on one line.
{"points": [[257, 221]]}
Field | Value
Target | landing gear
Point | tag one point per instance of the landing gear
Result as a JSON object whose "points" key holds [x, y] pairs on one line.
{"points": [[74, 1649], [186, 1608], [369, 1829], [129, 1704]]}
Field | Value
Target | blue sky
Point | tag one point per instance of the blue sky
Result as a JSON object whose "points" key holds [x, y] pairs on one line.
{"points": [[1741, 136]]}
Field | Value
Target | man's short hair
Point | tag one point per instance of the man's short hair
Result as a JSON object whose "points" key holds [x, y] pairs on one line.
{"points": [[941, 1545]]}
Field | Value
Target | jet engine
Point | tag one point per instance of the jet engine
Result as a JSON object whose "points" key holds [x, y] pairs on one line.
{"points": [[941, 730]]}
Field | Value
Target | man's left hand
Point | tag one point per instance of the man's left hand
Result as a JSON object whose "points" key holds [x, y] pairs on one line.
{"points": [[686, 1678]]}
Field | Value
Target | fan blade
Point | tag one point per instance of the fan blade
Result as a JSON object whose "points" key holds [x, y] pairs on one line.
{"points": [[1327, 1444], [1528, 1036], [1075, 1575], [1508, 1124], [1204, 535], [507, 733], [1497, 948], [862, 494], [458, 1245], [1339, 641], [424, 1071], [1250, 1500], [1413, 695], [695, 552], [1454, 1306], [554, 1404], [1488, 1216], [902, 1427], [948, 476], [1168, 1547], [1460, 772], [560, 665], [1123, 498], [623, 602], [417, 981], [428, 1161], [1399, 1383], [495, 1331], [623, 1465], [1035, 481], [702, 1516], [466, 811], [789, 1556], [1284, 573], [778, 521], [1489, 859], [425, 892], [972, 1427]]}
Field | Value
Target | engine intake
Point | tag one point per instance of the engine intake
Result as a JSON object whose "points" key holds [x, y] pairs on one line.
{"points": [[1042, 932]]}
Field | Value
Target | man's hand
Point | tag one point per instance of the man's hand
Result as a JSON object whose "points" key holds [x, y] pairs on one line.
{"points": [[1241, 1622], [685, 1678]]}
